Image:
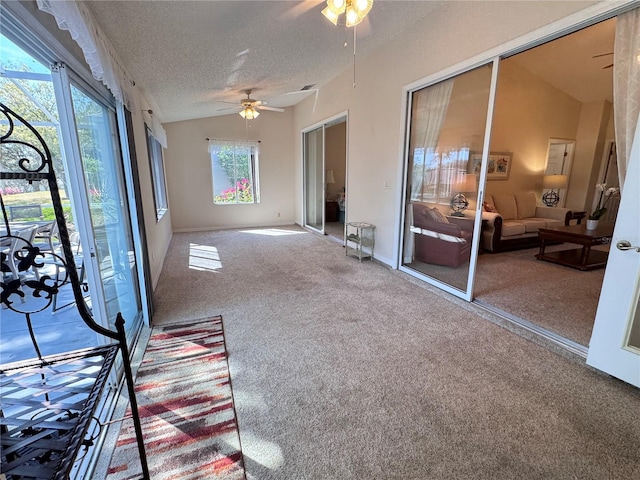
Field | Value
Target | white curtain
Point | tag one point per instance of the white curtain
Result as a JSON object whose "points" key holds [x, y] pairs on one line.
{"points": [[159, 133], [429, 114], [626, 85], [98, 52], [427, 119]]}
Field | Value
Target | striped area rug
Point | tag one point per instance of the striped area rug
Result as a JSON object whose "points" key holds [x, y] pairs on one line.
{"points": [[186, 408]]}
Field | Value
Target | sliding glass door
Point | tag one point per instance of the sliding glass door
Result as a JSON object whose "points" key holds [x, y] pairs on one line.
{"points": [[108, 218], [81, 132], [314, 179], [447, 140]]}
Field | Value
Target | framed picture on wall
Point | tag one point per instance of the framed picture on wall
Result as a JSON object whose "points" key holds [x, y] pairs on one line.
{"points": [[498, 168]]}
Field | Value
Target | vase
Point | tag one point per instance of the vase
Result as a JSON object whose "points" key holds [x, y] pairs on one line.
{"points": [[592, 224]]}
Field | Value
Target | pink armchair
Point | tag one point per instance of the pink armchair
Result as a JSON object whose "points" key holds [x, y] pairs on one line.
{"points": [[440, 240]]}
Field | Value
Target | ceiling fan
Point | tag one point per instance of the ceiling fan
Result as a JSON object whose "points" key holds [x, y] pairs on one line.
{"points": [[249, 107]]}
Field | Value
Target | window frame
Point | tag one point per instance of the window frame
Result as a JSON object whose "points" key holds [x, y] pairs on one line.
{"points": [[254, 155], [158, 181]]}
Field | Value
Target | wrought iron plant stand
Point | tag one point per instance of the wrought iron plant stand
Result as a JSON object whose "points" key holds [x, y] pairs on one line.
{"points": [[48, 402]]}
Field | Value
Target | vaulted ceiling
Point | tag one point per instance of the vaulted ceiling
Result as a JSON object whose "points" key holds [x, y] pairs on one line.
{"points": [[190, 56], [195, 59]]}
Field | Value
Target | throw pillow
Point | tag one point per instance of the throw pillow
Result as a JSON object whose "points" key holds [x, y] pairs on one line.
{"points": [[489, 207], [526, 202], [506, 205], [437, 216]]}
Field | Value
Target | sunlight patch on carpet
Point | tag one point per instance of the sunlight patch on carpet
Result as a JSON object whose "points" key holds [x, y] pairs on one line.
{"points": [[204, 258]]}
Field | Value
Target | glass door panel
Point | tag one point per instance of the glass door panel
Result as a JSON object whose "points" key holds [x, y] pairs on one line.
{"points": [[26, 87], [314, 178], [447, 131], [114, 249]]}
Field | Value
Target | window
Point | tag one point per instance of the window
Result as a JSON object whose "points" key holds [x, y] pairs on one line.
{"points": [[157, 174], [234, 168]]}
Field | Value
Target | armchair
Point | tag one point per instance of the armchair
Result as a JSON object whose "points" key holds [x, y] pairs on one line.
{"points": [[440, 240]]}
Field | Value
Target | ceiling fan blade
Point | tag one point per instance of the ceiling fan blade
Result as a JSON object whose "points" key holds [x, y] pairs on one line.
{"points": [[238, 108], [301, 8], [272, 109]]}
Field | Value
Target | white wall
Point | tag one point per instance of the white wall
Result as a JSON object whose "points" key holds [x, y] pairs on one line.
{"points": [[528, 112], [189, 181], [455, 32], [158, 232], [590, 140]]}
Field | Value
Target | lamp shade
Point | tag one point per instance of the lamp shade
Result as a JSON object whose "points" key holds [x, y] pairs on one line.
{"points": [[328, 177], [249, 113], [465, 183], [354, 11], [555, 181]]}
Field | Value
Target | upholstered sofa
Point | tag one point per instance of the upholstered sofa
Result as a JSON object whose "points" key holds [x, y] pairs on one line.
{"points": [[440, 240], [511, 221]]}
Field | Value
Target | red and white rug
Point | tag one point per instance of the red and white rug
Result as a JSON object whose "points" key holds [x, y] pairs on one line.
{"points": [[186, 408]]}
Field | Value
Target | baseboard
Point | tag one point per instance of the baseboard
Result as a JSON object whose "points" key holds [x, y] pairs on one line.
{"points": [[234, 227]]}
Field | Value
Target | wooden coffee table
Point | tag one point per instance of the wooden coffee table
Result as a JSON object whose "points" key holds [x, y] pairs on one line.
{"points": [[581, 258]]}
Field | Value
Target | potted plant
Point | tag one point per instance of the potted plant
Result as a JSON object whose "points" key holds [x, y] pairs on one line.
{"points": [[601, 207]]}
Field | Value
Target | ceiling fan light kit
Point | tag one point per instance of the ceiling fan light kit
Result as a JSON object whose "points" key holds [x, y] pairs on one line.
{"points": [[249, 113], [249, 107], [354, 11]]}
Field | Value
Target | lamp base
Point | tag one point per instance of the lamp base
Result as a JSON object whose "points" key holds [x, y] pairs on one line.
{"points": [[551, 198], [459, 204]]}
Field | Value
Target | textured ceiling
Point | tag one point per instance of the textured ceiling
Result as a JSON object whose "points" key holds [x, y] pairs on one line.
{"points": [[194, 59], [190, 56]]}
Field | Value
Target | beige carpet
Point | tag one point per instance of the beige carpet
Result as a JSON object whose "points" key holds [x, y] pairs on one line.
{"points": [[558, 298], [346, 370]]}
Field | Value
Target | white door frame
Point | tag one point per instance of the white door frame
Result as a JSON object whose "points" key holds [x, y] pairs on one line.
{"points": [[322, 124]]}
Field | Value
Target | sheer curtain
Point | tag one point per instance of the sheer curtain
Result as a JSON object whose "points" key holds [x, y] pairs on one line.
{"points": [[626, 85], [159, 133], [429, 114], [98, 52], [427, 119]]}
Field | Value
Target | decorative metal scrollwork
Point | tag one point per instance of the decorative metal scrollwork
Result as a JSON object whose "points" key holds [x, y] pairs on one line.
{"points": [[26, 257]]}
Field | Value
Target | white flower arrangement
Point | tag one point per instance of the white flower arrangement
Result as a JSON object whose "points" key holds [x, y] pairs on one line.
{"points": [[605, 196]]}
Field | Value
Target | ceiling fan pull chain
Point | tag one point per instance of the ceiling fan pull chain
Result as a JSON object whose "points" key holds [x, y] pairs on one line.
{"points": [[354, 57]]}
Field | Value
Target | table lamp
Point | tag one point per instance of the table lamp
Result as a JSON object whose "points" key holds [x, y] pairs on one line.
{"points": [[328, 178], [553, 182], [465, 183]]}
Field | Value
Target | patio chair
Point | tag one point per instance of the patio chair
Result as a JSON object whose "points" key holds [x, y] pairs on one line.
{"points": [[15, 251], [46, 238]]}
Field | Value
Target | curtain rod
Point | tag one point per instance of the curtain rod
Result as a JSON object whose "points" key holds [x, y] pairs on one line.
{"points": [[227, 140]]}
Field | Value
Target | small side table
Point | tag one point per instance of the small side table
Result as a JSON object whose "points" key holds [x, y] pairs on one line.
{"points": [[360, 240], [578, 216]]}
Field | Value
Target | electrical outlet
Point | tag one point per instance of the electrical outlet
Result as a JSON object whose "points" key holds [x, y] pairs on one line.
{"points": [[387, 184]]}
